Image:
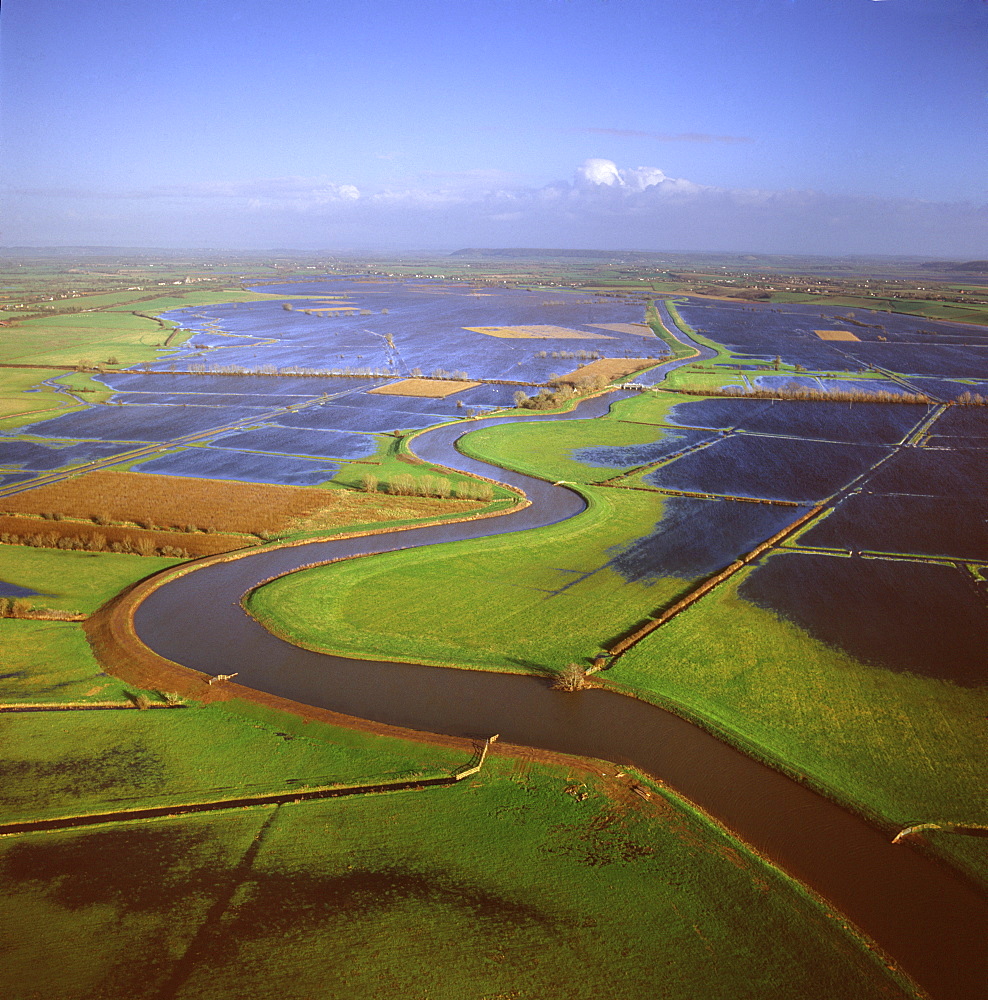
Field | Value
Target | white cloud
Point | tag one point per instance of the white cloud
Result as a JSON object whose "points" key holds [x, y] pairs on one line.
{"points": [[606, 174], [604, 205], [599, 172]]}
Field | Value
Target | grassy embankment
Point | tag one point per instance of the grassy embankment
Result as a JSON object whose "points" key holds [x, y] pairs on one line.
{"points": [[514, 880], [896, 746]]}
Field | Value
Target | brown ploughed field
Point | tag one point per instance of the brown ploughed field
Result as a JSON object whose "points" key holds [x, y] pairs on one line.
{"points": [[202, 516]]}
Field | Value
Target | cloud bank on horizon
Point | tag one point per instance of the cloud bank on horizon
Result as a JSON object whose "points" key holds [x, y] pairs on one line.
{"points": [[603, 205]]}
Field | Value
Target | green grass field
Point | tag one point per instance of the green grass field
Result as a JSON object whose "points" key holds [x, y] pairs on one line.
{"points": [[549, 598], [515, 882], [903, 746], [74, 581], [545, 449], [504, 886]]}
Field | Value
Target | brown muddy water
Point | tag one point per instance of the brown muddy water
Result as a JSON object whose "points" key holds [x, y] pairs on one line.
{"points": [[933, 923]]}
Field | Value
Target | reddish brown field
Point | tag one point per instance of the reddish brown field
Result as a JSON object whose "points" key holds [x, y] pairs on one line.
{"points": [[222, 515]]}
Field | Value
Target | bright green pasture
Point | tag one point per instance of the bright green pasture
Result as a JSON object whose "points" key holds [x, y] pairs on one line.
{"points": [[51, 661], [73, 763], [71, 580], [73, 338], [526, 603], [47, 661], [503, 886], [906, 748], [19, 406], [545, 449]]}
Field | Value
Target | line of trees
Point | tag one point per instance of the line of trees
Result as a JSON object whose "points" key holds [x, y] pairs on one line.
{"points": [[406, 485], [140, 545], [809, 394]]}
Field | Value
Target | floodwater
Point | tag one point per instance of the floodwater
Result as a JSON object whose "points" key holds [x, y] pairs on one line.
{"points": [[930, 920]]}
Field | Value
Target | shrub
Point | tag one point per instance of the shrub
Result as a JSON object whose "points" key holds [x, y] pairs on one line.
{"points": [[174, 552], [402, 485], [145, 546], [572, 677], [368, 482]]}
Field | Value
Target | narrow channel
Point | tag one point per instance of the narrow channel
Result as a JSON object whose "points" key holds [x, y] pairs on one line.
{"points": [[933, 923]]}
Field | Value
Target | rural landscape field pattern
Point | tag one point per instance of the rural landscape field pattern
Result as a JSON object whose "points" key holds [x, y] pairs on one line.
{"points": [[851, 652]]}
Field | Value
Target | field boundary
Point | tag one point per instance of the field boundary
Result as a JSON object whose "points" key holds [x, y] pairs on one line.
{"points": [[629, 640], [216, 805]]}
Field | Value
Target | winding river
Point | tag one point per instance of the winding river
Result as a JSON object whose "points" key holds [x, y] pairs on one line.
{"points": [[931, 922]]}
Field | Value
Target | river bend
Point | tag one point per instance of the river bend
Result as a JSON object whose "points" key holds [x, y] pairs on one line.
{"points": [[933, 923]]}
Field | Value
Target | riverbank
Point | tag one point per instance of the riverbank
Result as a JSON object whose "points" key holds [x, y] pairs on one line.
{"points": [[537, 847], [893, 746]]}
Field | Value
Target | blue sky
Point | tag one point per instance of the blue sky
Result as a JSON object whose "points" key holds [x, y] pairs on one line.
{"points": [[830, 126]]}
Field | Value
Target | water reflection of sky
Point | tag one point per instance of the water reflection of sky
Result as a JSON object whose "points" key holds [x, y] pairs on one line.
{"points": [[427, 324], [696, 537]]}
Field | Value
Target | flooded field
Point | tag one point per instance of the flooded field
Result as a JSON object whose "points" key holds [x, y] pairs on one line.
{"points": [[774, 468], [932, 472], [669, 443], [676, 548], [235, 384], [963, 423], [933, 526], [858, 423], [429, 325], [217, 463], [917, 617], [906, 344]]}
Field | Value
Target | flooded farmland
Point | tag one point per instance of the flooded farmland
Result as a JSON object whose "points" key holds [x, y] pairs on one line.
{"points": [[889, 574]]}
